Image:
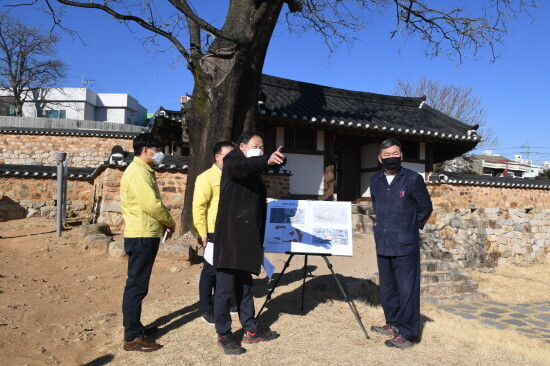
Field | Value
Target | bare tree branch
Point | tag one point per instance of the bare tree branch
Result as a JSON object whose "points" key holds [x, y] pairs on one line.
{"points": [[143, 23], [456, 101], [184, 7], [25, 60]]}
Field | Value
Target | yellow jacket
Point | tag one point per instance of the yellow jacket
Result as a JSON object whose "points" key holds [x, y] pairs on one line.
{"points": [[205, 200], [144, 214]]}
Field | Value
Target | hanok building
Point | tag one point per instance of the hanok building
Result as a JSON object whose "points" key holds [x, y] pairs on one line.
{"points": [[328, 131]]}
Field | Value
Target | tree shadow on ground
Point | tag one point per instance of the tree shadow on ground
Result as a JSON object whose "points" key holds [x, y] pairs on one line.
{"points": [[175, 320], [318, 290]]}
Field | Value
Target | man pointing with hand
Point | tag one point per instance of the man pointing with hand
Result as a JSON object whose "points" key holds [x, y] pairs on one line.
{"points": [[238, 252]]}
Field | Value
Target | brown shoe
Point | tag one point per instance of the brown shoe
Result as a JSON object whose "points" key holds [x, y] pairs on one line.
{"points": [[142, 345], [387, 330], [399, 342]]}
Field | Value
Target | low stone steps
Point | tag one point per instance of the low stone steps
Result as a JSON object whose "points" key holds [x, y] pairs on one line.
{"points": [[442, 281], [438, 266], [438, 277], [448, 288], [465, 297]]}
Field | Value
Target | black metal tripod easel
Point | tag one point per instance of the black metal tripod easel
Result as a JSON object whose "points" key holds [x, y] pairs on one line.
{"points": [[329, 265]]}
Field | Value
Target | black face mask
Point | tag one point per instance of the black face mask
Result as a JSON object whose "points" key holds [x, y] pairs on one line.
{"points": [[392, 163]]}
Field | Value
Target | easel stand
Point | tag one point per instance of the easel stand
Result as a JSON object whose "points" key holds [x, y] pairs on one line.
{"points": [[329, 266]]}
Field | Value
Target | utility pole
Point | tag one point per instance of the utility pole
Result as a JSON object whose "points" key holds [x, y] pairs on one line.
{"points": [[527, 152], [86, 83]]}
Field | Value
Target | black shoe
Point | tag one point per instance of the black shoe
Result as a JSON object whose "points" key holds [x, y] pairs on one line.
{"points": [[208, 317], [260, 336], [229, 345]]}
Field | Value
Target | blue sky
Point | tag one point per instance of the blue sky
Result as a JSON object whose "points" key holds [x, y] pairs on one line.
{"points": [[515, 89]]}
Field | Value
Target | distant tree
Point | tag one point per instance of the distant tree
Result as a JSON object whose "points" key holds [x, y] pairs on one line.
{"points": [[227, 61], [456, 101], [545, 174], [461, 164], [26, 60]]}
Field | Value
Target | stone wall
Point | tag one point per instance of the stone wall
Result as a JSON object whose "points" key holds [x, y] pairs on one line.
{"points": [[490, 237], [106, 200], [471, 196], [481, 226], [37, 196], [82, 151], [100, 201], [489, 226]]}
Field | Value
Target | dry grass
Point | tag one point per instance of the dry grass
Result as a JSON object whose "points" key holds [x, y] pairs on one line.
{"points": [[328, 334], [516, 284]]}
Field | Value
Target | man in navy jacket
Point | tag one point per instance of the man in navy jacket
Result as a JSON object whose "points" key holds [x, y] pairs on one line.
{"points": [[402, 206]]}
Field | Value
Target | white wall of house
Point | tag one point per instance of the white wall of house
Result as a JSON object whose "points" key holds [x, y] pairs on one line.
{"points": [[307, 173], [85, 104], [369, 159]]}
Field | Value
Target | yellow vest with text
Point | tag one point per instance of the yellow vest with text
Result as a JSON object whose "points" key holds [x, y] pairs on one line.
{"points": [[205, 200], [145, 216]]}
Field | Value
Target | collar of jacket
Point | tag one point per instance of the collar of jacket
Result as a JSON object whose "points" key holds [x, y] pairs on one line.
{"points": [[139, 161], [235, 153], [217, 169], [399, 172]]}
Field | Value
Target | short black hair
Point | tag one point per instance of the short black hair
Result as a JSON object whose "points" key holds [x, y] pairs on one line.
{"points": [[387, 143], [247, 135], [146, 139], [219, 145]]}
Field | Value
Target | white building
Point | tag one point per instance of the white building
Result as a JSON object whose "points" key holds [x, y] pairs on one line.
{"points": [[79, 104]]}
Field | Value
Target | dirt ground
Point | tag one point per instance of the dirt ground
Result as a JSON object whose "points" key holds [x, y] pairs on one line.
{"points": [[61, 305]]}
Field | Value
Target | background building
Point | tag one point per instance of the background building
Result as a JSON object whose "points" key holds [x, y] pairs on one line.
{"points": [[77, 104]]}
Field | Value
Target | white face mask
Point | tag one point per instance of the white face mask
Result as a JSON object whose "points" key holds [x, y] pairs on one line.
{"points": [[254, 152], [158, 157]]}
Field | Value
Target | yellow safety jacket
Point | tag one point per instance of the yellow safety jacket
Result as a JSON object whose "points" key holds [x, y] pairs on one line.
{"points": [[205, 200], [144, 214]]}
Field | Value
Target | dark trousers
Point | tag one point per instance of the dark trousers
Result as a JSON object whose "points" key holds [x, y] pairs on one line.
{"points": [[141, 256], [400, 292], [207, 284], [239, 282]]}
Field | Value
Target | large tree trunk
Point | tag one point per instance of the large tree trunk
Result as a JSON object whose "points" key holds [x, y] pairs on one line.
{"points": [[225, 98]]}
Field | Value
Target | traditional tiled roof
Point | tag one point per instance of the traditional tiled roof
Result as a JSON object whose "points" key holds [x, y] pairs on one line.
{"points": [[392, 115], [170, 162], [166, 114], [67, 132], [67, 127], [42, 171], [485, 180]]}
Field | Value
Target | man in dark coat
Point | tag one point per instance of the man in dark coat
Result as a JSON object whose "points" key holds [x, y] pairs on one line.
{"points": [[402, 206], [238, 252]]}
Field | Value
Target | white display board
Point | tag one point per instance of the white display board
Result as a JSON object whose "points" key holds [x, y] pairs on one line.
{"points": [[316, 227]]}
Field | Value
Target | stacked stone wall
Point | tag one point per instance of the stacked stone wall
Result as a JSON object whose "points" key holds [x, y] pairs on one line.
{"points": [[37, 196], [489, 226], [482, 226], [82, 151], [470, 196]]}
